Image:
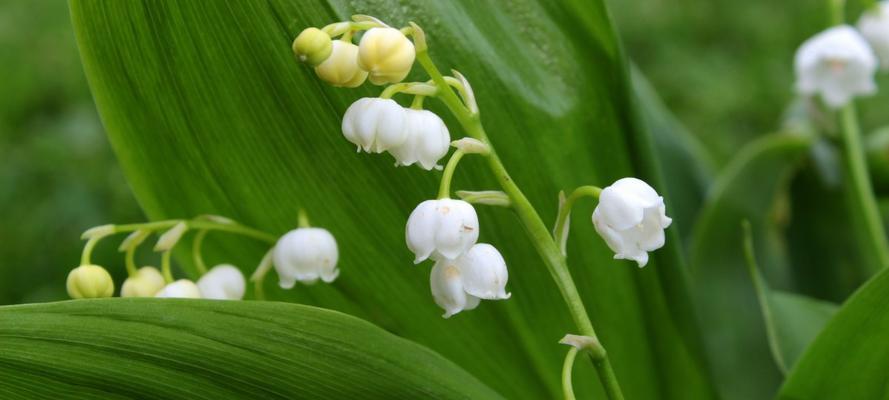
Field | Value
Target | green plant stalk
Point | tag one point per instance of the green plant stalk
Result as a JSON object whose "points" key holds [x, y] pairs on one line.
{"points": [[565, 211], [862, 191], [533, 224], [198, 260], [567, 367], [444, 190]]}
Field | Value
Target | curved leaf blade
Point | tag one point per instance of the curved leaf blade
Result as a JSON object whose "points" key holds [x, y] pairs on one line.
{"points": [[187, 349]]}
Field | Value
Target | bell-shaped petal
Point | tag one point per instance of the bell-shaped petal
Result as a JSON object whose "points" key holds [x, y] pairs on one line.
{"points": [[183, 289], [375, 124], [223, 282], [874, 26], [631, 217], [484, 272], [386, 54], [146, 283], [441, 229], [306, 255], [89, 282], [447, 288], [427, 140], [340, 68], [838, 64]]}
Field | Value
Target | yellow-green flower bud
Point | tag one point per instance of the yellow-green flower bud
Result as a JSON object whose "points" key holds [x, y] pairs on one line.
{"points": [[312, 46], [146, 283], [89, 282], [341, 68], [386, 54]]}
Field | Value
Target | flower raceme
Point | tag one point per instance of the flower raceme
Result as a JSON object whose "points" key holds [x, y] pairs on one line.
{"points": [[306, 255], [631, 218], [441, 229], [460, 284], [836, 63], [874, 26], [223, 282]]}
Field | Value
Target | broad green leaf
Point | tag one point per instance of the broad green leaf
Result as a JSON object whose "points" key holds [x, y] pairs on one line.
{"points": [[849, 359], [792, 321], [198, 349], [209, 113], [746, 189]]}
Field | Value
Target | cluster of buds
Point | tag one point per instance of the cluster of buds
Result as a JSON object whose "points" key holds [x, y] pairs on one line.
{"points": [[839, 63], [304, 254]]}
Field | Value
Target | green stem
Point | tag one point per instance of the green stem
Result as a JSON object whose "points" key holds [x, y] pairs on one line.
{"points": [[259, 274], [862, 191], [130, 260], [88, 249], [837, 11], [565, 211], [567, 366], [166, 269], [444, 190], [531, 221], [303, 219], [199, 264]]}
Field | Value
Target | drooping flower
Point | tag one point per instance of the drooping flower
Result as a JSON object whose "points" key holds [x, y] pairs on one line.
{"points": [[386, 54], [375, 124], [631, 217], [223, 282], [312, 46], [340, 68], [306, 255], [461, 283], [89, 282], [183, 288], [874, 26], [146, 283], [838, 64], [441, 229], [427, 140]]}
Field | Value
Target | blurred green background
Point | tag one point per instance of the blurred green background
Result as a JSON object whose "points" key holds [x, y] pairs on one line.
{"points": [[723, 67]]}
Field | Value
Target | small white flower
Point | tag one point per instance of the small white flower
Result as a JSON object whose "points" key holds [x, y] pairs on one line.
{"points": [[223, 282], [386, 54], [183, 289], [631, 218], [838, 64], [460, 284], [146, 283], [305, 255], [427, 140], [442, 228], [375, 125], [89, 282], [340, 68], [874, 26]]}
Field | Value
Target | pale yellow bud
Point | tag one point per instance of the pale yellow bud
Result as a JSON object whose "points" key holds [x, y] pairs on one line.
{"points": [[312, 46], [386, 54], [89, 282], [146, 283], [341, 68]]}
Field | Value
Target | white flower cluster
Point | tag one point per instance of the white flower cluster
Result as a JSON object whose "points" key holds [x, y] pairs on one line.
{"points": [[412, 136], [839, 63], [222, 282], [465, 272]]}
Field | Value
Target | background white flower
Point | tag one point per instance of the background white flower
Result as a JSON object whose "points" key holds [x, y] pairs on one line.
{"points": [[182, 288], [838, 64], [146, 283], [427, 140], [306, 255], [631, 218], [375, 124], [442, 228], [874, 26], [223, 282]]}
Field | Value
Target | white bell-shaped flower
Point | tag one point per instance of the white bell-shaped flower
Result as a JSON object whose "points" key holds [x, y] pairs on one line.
{"points": [[442, 229], [427, 140], [838, 64], [631, 217], [340, 67], [386, 54], [183, 289], [874, 26], [461, 283], [146, 283], [223, 282], [306, 255], [375, 124]]}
